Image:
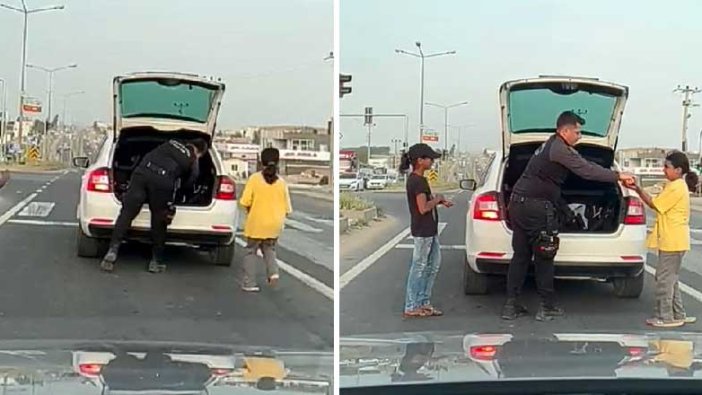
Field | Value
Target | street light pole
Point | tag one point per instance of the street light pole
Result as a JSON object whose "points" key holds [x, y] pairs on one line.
{"points": [[394, 158], [422, 56], [25, 11], [65, 100], [446, 109]]}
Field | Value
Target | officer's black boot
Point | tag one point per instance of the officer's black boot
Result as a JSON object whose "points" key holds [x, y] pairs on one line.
{"points": [[512, 310], [155, 266], [548, 311], [108, 262]]}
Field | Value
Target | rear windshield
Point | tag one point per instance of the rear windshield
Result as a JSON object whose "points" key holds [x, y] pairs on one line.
{"points": [[180, 100], [536, 110]]}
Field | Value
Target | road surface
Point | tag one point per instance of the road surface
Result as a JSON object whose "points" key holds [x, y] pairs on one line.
{"points": [[371, 300], [47, 292]]}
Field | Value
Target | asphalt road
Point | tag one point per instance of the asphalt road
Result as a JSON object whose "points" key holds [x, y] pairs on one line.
{"points": [[47, 292], [371, 302]]}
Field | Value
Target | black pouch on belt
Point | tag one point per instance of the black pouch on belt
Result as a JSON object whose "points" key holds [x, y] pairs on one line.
{"points": [[547, 242]]}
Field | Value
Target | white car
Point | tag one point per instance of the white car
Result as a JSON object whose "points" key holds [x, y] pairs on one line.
{"points": [[378, 181], [351, 182], [149, 109], [611, 246]]}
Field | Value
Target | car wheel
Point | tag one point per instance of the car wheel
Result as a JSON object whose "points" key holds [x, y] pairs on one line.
{"points": [[474, 283], [629, 287], [88, 247], [223, 255]]}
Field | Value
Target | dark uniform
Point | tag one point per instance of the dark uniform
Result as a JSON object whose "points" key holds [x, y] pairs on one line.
{"points": [[154, 182], [533, 215]]}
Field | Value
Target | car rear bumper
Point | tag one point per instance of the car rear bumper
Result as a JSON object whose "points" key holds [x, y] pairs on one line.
{"points": [[173, 236], [570, 269]]}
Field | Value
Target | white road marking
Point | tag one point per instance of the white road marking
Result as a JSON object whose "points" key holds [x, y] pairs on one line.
{"points": [[37, 209], [16, 208], [300, 275], [329, 222], [695, 294], [41, 223], [443, 247], [442, 226], [352, 273], [301, 226]]}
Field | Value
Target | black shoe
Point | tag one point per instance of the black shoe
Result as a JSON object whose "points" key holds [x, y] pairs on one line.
{"points": [[156, 267], [108, 262], [512, 310], [548, 312]]}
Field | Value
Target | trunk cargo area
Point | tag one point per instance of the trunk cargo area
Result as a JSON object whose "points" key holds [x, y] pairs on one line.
{"points": [[601, 206], [133, 144]]}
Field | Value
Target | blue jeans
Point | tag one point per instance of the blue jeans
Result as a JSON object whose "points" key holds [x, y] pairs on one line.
{"points": [[426, 260]]}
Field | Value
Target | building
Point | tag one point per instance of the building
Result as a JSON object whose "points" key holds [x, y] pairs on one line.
{"points": [[301, 148], [647, 163]]}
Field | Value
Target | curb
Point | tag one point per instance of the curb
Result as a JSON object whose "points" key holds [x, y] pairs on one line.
{"points": [[38, 172], [318, 195]]}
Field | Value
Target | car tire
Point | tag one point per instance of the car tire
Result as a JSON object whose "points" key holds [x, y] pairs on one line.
{"points": [[474, 283], [629, 287], [88, 247], [223, 255]]}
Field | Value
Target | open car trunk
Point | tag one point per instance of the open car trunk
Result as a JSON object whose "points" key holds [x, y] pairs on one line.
{"points": [[134, 143], [600, 206]]}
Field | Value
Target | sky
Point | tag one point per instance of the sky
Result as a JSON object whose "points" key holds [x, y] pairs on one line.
{"points": [[649, 46], [270, 53]]}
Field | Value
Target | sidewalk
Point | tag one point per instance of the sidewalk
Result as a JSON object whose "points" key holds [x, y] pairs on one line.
{"points": [[696, 204]]}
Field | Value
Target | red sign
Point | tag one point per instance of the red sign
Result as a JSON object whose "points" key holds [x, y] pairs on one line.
{"points": [[427, 138], [347, 155], [31, 108]]}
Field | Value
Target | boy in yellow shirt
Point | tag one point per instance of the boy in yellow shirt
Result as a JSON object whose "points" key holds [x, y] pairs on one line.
{"points": [[671, 237], [267, 202]]}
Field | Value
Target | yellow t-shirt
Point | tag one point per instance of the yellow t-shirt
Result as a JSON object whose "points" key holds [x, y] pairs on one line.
{"points": [[268, 205], [676, 353], [672, 230]]}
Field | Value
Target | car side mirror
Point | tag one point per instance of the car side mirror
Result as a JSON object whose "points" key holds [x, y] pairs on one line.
{"points": [[81, 161], [468, 185]]}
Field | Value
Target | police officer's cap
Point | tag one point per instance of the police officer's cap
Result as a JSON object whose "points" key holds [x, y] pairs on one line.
{"points": [[422, 150]]}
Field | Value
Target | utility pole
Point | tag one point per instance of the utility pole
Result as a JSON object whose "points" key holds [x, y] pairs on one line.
{"points": [[23, 72], [421, 55], [446, 109], [368, 121], [687, 102], [394, 158]]}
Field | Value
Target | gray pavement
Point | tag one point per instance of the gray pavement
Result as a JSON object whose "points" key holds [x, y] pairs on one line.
{"points": [[46, 292], [371, 303]]}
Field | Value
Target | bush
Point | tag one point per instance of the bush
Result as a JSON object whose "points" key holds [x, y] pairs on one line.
{"points": [[348, 201]]}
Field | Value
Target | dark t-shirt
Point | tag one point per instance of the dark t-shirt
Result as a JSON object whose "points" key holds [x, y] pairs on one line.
{"points": [[425, 225]]}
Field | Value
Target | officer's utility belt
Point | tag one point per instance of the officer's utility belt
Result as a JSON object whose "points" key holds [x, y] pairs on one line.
{"points": [[546, 243], [156, 169]]}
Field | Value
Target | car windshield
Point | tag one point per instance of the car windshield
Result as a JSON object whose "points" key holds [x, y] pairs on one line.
{"points": [[535, 110], [378, 177], [348, 177], [183, 101]]}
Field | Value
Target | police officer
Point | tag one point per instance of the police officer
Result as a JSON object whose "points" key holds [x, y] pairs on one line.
{"points": [[533, 213], [154, 182]]}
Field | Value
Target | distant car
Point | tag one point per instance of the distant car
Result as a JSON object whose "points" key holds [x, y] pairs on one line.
{"points": [[149, 109], [378, 181], [611, 246], [351, 182]]}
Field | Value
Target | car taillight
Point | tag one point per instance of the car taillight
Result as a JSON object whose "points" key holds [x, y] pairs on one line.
{"points": [[219, 372], [483, 353], [487, 207], [226, 189], [99, 180], [636, 351], [635, 212], [90, 369]]}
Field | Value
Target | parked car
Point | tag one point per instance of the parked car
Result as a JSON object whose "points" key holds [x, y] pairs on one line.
{"points": [[149, 109], [378, 181], [351, 182], [611, 245]]}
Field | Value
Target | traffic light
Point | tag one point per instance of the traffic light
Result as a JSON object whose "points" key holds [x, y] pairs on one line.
{"points": [[343, 80]]}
